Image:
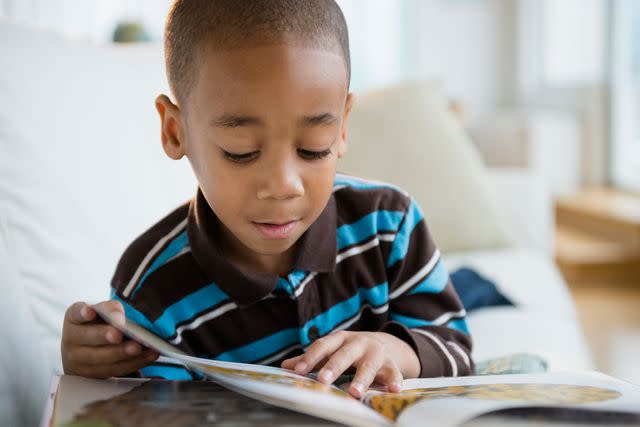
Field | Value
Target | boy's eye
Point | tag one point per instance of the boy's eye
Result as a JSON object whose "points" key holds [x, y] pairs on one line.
{"points": [[313, 155], [247, 157], [240, 158]]}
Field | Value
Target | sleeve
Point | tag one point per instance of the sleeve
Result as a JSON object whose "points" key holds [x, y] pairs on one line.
{"points": [[424, 308], [163, 367]]}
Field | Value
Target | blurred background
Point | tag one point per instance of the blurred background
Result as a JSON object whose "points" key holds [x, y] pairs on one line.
{"points": [[551, 87], [579, 58]]}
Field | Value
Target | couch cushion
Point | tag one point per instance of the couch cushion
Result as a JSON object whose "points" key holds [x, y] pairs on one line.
{"points": [[543, 321], [406, 135], [504, 330], [527, 277]]}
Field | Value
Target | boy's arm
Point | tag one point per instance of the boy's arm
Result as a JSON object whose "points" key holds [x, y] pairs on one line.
{"points": [[424, 309]]}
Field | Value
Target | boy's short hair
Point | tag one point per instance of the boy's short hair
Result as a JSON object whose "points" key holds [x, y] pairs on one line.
{"points": [[194, 25]]}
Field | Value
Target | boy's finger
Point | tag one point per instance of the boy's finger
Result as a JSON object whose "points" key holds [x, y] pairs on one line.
{"points": [[93, 335], [391, 376], [130, 366], [319, 350], [108, 354], [118, 369], [79, 313], [342, 359], [366, 372], [290, 363]]}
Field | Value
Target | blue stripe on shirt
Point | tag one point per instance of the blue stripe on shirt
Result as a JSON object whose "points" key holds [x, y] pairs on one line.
{"points": [[172, 249], [368, 226], [360, 184], [325, 322], [412, 322], [133, 314], [261, 348], [328, 320], [460, 325], [296, 276], [434, 283], [188, 308], [401, 242], [185, 309], [168, 372]]}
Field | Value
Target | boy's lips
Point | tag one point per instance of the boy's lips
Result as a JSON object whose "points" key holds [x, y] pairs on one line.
{"points": [[276, 230]]}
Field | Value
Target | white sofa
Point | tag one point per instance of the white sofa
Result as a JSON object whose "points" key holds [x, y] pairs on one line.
{"points": [[82, 173]]}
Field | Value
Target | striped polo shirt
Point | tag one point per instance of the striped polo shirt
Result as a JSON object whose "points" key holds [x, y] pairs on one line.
{"points": [[368, 263]]}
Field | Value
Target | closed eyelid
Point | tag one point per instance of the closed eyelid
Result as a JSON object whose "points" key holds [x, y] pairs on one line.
{"points": [[248, 157]]}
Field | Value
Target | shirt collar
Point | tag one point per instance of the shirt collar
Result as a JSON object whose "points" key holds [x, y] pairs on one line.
{"points": [[316, 251]]}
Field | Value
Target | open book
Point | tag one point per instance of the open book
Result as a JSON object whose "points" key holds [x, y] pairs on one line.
{"points": [[438, 401]]}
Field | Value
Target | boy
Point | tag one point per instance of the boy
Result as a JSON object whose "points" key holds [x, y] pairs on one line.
{"points": [[277, 260]]}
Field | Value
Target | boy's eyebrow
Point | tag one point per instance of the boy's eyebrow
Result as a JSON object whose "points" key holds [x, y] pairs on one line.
{"points": [[234, 120], [319, 119]]}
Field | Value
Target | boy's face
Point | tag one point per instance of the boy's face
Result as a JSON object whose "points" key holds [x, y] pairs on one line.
{"points": [[263, 128]]}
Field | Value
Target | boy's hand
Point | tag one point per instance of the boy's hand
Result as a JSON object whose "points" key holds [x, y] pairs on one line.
{"points": [[377, 356], [91, 348]]}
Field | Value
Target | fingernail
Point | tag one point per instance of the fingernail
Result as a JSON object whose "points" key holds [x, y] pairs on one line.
{"points": [[396, 386], [132, 348], [358, 387], [152, 356], [300, 366], [112, 337], [84, 313], [325, 376], [118, 318]]}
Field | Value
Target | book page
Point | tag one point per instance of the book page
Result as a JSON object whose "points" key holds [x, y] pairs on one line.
{"points": [[151, 340], [453, 401], [273, 385]]}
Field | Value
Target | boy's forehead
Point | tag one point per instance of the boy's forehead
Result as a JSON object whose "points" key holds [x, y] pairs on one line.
{"points": [[260, 72]]}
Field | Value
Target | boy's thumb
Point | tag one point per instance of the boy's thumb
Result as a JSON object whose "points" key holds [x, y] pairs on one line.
{"points": [[79, 313]]}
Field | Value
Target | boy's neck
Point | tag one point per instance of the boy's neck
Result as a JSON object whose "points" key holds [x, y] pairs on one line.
{"points": [[245, 259]]}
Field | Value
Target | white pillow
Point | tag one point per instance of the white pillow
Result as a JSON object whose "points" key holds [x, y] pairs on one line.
{"points": [[82, 171], [405, 135]]}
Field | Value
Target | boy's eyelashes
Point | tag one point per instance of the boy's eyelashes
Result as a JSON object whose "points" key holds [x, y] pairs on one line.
{"points": [[248, 157]]}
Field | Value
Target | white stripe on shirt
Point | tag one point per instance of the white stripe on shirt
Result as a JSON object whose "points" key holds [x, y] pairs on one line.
{"points": [[132, 283], [443, 348], [424, 271]]}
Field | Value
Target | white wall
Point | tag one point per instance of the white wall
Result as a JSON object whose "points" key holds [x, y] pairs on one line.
{"points": [[470, 45]]}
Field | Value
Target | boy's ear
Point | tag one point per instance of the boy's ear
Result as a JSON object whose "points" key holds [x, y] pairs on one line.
{"points": [[170, 127], [342, 146]]}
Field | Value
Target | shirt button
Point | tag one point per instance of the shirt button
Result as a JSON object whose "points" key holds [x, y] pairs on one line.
{"points": [[313, 333]]}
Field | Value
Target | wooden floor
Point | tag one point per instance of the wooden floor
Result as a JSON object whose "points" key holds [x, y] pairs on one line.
{"points": [[610, 317]]}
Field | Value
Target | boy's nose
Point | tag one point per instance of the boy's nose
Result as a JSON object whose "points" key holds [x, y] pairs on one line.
{"points": [[280, 182]]}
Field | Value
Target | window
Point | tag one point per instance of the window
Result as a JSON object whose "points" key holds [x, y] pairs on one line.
{"points": [[625, 94], [574, 36]]}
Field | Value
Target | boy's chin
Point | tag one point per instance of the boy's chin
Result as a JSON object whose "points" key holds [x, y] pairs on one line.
{"points": [[273, 247]]}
